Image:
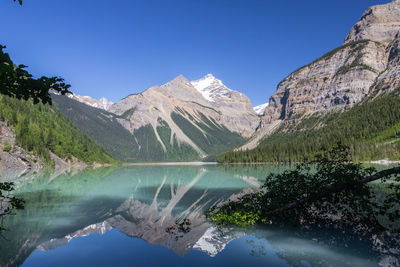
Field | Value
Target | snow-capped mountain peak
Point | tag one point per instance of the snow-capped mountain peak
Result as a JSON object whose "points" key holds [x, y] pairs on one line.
{"points": [[260, 109], [211, 87]]}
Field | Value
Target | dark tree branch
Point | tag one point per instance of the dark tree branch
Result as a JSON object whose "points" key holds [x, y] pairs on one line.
{"points": [[322, 195]]}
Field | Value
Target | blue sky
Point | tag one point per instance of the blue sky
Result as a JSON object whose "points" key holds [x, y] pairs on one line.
{"points": [[113, 48]]}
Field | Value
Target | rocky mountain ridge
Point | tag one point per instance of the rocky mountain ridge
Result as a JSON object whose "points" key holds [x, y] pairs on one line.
{"points": [[178, 104], [208, 95], [179, 120], [367, 63]]}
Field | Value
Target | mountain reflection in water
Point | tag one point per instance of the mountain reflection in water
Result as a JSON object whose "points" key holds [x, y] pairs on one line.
{"points": [[163, 205]]}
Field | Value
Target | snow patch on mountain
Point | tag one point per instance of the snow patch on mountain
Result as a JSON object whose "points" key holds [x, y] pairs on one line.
{"points": [[214, 241], [260, 109], [101, 103], [211, 88]]}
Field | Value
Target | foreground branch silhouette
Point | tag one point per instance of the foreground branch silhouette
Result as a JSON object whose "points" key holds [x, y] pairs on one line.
{"points": [[8, 201], [330, 189], [321, 195], [16, 82]]}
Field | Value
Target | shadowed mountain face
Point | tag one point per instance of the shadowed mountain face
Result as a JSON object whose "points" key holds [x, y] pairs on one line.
{"points": [[164, 206]]}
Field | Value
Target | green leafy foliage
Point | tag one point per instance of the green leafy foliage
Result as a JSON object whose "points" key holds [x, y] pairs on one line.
{"points": [[8, 202], [41, 128], [17, 82], [370, 129], [330, 189], [7, 148], [239, 218]]}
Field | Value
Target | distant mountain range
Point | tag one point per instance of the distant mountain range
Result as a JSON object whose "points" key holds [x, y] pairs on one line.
{"points": [[328, 100], [177, 121]]}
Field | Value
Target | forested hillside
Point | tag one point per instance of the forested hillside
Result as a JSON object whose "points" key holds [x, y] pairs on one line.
{"points": [[41, 128], [104, 128], [143, 145], [100, 125], [371, 129], [210, 136]]}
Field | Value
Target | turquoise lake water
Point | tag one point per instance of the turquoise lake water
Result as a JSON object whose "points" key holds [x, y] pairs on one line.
{"points": [[154, 216]]}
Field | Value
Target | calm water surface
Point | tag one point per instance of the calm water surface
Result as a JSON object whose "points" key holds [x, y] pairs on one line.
{"points": [[154, 215]]}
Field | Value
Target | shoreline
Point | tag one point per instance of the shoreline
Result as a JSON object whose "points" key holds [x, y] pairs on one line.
{"points": [[199, 163], [187, 163], [385, 162]]}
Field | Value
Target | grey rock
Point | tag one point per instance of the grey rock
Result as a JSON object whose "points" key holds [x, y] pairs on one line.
{"points": [[379, 23], [226, 107], [367, 63]]}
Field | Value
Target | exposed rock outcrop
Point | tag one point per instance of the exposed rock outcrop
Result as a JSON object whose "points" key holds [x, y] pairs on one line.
{"points": [[367, 63], [340, 78], [380, 23], [15, 162]]}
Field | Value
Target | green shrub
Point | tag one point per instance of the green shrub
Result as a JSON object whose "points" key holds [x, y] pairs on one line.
{"points": [[7, 148], [238, 218]]}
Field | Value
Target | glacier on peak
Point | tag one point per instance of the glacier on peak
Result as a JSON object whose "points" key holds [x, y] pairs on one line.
{"points": [[210, 87], [260, 108]]}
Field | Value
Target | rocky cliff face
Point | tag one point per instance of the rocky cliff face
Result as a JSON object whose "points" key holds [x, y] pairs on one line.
{"points": [[340, 78], [368, 62], [380, 23]]}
